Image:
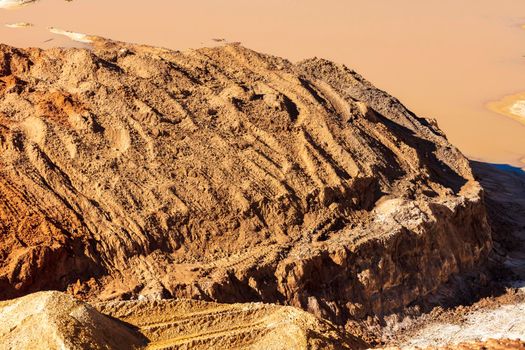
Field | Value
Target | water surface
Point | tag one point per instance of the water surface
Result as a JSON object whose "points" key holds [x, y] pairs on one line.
{"points": [[445, 59]]}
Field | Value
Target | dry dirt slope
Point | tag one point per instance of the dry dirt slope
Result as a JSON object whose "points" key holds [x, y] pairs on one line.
{"points": [[52, 320], [223, 174], [186, 324]]}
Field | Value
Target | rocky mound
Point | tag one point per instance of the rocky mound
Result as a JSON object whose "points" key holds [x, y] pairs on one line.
{"points": [[227, 175], [52, 320]]}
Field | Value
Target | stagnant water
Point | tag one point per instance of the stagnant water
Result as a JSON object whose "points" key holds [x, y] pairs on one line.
{"points": [[445, 59]]}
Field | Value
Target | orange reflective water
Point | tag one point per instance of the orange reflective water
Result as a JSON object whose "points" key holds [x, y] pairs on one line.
{"points": [[444, 59]]}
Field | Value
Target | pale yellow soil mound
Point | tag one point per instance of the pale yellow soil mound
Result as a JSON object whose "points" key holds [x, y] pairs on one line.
{"points": [[52, 320]]}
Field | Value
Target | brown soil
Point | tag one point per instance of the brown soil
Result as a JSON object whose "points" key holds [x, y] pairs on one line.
{"points": [[226, 175]]}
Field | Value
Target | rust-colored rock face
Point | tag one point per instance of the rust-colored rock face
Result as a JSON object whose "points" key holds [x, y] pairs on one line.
{"points": [[225, 175]]}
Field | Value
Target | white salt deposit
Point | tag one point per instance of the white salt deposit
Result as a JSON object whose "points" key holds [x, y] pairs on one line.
{"points": [[8, 4], [518, 108], [19, 25], [506, 321], [80, 37]]}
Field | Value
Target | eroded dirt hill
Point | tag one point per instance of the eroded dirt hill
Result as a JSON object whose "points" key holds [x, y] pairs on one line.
{"points": [[224, 174]]}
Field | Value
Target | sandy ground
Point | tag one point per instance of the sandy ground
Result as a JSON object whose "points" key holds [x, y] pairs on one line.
{"points": [[462, 55], [52, 320]]}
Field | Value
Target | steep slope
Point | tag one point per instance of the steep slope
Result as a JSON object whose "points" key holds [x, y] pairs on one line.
{"points": [[227, 175]]}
